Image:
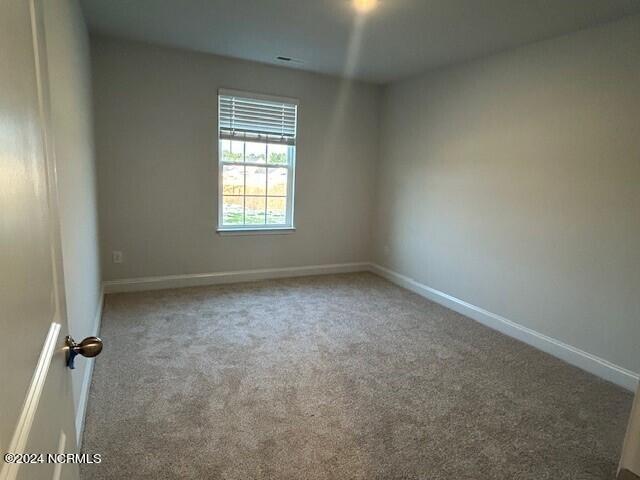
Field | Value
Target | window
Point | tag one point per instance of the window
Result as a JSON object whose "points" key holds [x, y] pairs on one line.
{"points": [[257, 146]]}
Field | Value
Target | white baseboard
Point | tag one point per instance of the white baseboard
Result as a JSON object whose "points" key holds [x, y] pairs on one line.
{"points": [[579, 358], [203, 279], [88, 373]]}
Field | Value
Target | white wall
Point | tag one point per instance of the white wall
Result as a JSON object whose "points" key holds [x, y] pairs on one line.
{"points": [[156, 140], [513, 183], [72, 124]]}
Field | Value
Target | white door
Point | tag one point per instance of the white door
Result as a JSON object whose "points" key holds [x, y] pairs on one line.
{"points": [[36, 409], [629, 468]]}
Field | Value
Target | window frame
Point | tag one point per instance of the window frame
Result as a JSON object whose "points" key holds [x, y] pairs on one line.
{"points": [[247, 229]]}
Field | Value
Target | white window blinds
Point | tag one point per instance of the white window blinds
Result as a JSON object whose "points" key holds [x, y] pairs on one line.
{"points": [[252, 117]]}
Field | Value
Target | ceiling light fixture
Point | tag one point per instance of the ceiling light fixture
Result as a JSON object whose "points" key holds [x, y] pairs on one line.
{"points": [[364, 6]]}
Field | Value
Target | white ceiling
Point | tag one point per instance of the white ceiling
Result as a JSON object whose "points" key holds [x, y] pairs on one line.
{"points": [[399, 38]]}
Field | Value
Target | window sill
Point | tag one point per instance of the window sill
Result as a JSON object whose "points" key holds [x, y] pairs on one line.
{"points": [[255, 231]]}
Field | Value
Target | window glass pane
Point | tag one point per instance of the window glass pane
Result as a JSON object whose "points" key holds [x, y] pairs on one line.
{"points": [[276, 210], [232, 180], [277, 154], [256, 181], [254, 210], [225, 150], [232, 210], [237, 151], [277, 181], [255, 152]]}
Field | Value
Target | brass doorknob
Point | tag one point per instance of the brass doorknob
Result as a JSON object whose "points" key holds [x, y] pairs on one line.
{"points": [[89, 347]]}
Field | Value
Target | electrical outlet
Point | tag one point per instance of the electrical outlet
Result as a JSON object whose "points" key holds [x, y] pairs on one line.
{"points": [[117, 256]]}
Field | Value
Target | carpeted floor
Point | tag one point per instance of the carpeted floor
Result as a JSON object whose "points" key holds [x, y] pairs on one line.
{"points": [[335, 377]]}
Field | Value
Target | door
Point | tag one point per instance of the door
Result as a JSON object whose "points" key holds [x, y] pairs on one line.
{"points": [[629, 468], [36, 409]]}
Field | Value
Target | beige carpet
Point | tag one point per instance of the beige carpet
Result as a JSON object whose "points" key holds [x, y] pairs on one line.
{"points": [[335, 377]]}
